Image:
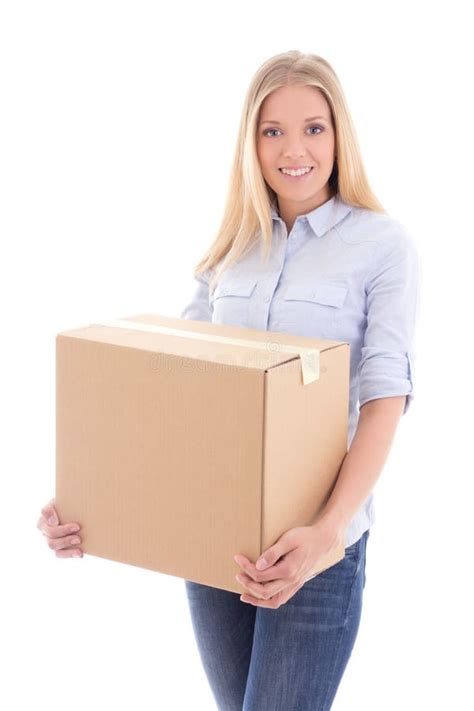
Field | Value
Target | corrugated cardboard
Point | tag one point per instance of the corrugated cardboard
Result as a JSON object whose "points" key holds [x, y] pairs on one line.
{"points": [[175, 454]]}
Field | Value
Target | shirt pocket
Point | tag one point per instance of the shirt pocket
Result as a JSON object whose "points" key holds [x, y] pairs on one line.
{"points": [[231, 301], [316, 308]]}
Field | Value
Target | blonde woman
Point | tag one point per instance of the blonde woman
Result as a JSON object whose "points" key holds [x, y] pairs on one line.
{"points": [[306, 248]]}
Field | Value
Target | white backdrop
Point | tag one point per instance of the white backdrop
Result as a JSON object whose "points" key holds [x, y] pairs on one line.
{"points": [[118, 123]]}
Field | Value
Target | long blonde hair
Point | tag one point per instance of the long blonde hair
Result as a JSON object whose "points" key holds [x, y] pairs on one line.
{"points": [[247, 217]]}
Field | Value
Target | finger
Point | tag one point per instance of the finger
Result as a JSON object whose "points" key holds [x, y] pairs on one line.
{"points": [[276, 600], [51, 503], [250, 587], [64, 542], [285, 544], [42, 525], [279, 570], [272, 603], [262, 591], [69, 553], [50, 513], [63, 529]]}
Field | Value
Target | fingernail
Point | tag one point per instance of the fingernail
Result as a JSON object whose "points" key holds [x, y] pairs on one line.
{"points": [[76, 554], [52, 520]]}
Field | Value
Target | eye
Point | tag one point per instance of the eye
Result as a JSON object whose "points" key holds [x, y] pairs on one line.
{"points": [[318, 127], [271, 130]]}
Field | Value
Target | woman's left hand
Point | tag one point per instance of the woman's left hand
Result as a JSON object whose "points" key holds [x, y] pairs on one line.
{"points": [[289, 564]]}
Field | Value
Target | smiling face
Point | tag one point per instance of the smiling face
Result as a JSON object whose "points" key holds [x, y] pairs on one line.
{"points": [[287, 139]]}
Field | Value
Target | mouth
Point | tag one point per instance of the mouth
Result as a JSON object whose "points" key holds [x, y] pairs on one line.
{"points": [[296, 177]]}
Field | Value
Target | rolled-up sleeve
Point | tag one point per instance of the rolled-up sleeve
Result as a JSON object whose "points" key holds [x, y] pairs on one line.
{"points": [[386, 367], [199, 307]]}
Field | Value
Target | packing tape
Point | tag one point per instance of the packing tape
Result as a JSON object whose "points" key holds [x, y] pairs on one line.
{"points": [[309, 356]]}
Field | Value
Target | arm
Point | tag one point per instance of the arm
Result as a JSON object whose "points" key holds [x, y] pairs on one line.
{"points": [[363, 462], [199, 308], [386, 374]]}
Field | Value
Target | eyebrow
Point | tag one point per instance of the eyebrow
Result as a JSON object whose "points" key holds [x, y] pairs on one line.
{"points": [[312, 118]]}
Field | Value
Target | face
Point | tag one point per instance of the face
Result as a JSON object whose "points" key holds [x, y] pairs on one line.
{"points": [[286, 139]]}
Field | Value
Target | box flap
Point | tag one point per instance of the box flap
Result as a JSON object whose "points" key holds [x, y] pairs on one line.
{"points": [[228, 354]]}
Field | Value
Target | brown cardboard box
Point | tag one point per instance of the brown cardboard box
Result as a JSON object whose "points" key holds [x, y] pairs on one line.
{"points": [[176, 452]]}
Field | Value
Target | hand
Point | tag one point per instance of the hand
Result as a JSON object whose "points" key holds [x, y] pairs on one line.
{"points": [[61, 537], [290, 562]]}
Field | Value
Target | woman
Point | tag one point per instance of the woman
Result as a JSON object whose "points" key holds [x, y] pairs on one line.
{"points": [[304, 248], [335, 266]]}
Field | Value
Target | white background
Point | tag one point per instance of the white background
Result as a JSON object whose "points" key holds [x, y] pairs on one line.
{"points": [[118, 124]]}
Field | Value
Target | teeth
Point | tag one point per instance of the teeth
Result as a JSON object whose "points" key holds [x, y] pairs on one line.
{"points": [[300, 171]]}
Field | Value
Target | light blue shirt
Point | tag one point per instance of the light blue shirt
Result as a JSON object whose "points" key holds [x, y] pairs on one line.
{"points": [[344, 273]]}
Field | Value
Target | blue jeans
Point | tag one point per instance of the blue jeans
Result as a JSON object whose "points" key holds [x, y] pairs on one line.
{"points": [[291, 658]]}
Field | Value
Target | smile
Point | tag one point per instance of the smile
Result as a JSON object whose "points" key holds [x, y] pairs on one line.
{"points": [[300, 174]]}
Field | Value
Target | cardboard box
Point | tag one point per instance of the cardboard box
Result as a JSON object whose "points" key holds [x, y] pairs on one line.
{"points": [[175, 452]]}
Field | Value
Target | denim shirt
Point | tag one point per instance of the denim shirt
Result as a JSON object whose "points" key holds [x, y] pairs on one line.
{"points": [[344, 273]]}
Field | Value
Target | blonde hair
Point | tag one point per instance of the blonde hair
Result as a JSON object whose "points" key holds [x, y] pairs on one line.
{"points": [[247, 216]]}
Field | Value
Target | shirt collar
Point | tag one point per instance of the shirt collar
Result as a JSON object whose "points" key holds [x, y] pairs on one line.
{"points": [[325, 217]]}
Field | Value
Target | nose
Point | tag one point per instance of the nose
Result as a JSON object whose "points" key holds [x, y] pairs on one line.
{"points": [[294, 148]]}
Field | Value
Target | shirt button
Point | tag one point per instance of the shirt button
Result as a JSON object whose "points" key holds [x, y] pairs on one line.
{"points": [[267, 299]]}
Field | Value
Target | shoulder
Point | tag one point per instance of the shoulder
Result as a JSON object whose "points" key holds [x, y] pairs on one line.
{"points": [[394, 254], [205, 276], [380, 230]]}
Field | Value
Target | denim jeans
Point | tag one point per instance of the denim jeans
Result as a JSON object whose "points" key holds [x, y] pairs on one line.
{"points": [[290, 658]]}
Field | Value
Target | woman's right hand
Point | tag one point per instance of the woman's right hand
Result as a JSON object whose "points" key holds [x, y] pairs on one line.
{"points": [[60, 537]]}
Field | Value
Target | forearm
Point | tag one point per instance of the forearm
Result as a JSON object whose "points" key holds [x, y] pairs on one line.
{"points": [[363, 463]]}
